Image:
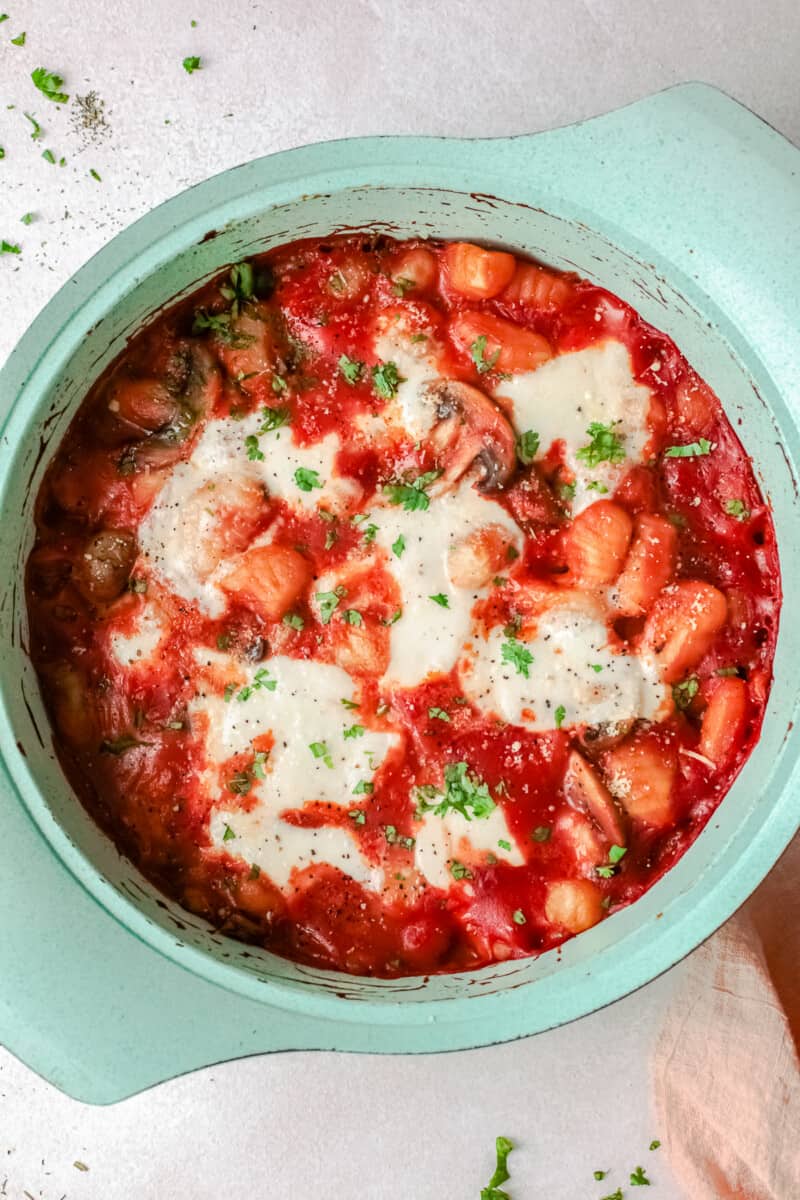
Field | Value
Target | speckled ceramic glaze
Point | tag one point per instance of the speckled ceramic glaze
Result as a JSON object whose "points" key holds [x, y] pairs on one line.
{"points": [[684, 204]]}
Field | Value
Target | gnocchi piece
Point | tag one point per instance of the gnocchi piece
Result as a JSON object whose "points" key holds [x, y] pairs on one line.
{"points": [[416, 268], [649, 565], [477, 558], [573, 904], [696, 406], [723, 720], [362, 650], [476, 273], [538, 288], [583, 839], [640, 773], [271, 577], [68, 696], [597, 543], [508, 347], [682, 626]]}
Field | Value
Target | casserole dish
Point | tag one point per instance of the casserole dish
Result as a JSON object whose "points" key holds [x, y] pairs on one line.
{"points": [[635, 200]]}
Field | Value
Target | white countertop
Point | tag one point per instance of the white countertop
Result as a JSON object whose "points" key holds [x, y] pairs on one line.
{"points": [[274, 75]]}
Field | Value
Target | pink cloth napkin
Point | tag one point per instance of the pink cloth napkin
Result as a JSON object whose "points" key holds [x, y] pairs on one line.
{"points": [[726, 1070]]}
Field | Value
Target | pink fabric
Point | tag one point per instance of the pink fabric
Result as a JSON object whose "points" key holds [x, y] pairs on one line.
{"points": [[726, 1069]]}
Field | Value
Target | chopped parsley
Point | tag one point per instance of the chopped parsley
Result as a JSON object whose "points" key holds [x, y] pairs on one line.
{"points": [[242, 782], [459, 871], [596, 667], [95, 175], [605, 872], [49, 84], [396, 615], [527, 446], [259, 764], [541, 833], [412, 496], [518, 917], [19, 40], [463, 793], [560, 714], [364, 788], [320, 750], [37, 129], [398, 546], [272, 419], [567, 491], [604, 446], [262, 680], [228, 835], [254, 453], [351, 616], [48, 156], [616, 853], [654, 1145], [438, 714], [639, 1179], [357, 815], [9, 247], [478, 352], [492, 1191], [518, 655], [239, 289], [401, 285], [440, 599], [294, 621], [255, 871], [683, 693], [191, 64], [279, 384], [370, 533], [617, 1195], [386, 379], [350, 704], [691, 450], [600, 1175], [331, 537], [596, 486], [351, 368], [306, 479], [503, 844], [219, 324], [737, 508], [328, 603], [355, 731]]}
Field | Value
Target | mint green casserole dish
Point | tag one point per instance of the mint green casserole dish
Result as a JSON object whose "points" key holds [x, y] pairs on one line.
{"points": [[688, 207]]}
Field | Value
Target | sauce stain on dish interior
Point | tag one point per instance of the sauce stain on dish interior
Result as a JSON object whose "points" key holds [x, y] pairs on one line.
{"points": [[402, 607]]}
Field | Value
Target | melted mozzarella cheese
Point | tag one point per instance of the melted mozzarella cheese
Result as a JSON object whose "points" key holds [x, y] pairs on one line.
{"points": [[304, 708], [572, 668], [428, 637], [140, 645], [410, 407], [562, 398], [441, 841], [180, 534]]}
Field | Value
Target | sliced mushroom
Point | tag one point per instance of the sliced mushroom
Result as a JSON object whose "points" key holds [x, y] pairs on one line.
{"points": [[596, 738], [471, 431], [103, 569], [586, 791]]}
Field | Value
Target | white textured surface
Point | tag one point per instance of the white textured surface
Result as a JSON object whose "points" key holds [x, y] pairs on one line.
{"points": [[277, 75]]}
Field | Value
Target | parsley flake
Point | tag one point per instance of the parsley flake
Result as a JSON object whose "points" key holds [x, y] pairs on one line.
{"points": [[396, 615], [357, 814], [412, 496], [351, 368], [504, 844], [355, 731], [228, 835], [328, 603], [9, 247], [191, 64], [386, 379], [478, 352], [683, 693], [518, 917], [541, 833], [600, 1175], [518, 655], [639, 1179], [364, 788], [320, 750], [254, 453], [527, 446], [95, 175], [560, 714], [691, 450], [351, 616], [605, 446], [37, 129], [492, 1191], [19, 40], [272, 419], [459, 871], [398, 546], [654, 1145], [306, 479], [440, 599], [616, 853], [464, 793], [49, 84], [438, 714], [294, 621], [737, 508]]}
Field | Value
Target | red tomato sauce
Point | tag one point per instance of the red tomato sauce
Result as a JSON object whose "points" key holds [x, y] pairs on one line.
{"points": [[274, 335]]}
